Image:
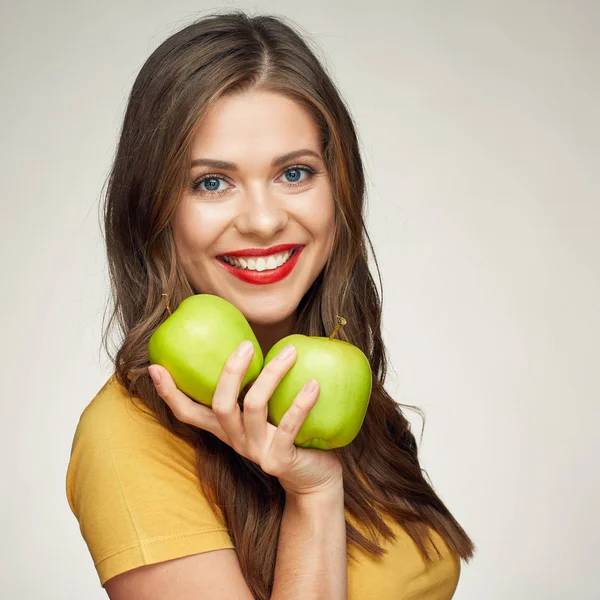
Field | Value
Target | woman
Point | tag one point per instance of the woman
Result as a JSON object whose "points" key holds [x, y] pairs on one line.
{"points": [[238, 160]]}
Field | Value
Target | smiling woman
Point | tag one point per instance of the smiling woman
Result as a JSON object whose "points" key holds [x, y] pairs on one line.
{"points": [[272, 190], [238, 174]]}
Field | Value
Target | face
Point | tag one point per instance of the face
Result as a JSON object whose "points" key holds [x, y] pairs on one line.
{"points": [[256, 223]]}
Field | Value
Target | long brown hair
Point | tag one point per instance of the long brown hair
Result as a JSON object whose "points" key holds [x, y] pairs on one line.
{"points": [[220, 54]]}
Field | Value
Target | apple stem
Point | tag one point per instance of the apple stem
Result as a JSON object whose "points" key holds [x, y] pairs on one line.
{"points": [[167, 303], [340, 323]]}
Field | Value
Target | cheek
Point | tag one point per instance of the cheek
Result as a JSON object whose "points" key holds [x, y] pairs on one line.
{"points": [[326, 225], [325, 232], [317, 215], [196, 227]]}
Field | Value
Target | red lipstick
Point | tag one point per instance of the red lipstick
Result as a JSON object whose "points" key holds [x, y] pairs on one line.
{"points": [[261, 251], [268, 276]]}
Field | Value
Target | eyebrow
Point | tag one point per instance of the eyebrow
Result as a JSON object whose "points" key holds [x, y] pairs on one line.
{"points": [[280, 160]]}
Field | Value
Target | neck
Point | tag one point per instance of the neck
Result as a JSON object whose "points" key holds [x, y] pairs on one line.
{"points": [[268, 335]]}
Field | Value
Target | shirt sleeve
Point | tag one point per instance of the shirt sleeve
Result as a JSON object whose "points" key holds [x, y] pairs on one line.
{"points": [[133, 488]]}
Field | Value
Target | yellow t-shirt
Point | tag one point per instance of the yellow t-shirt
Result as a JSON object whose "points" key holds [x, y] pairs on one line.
{"points": [[133, 487]]}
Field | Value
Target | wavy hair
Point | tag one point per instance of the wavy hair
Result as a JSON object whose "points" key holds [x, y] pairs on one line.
{"points": [[223, 54]]}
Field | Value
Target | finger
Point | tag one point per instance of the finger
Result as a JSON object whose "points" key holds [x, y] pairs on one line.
{"points": [[184, 408], [256, 400], [282, 445], [225, 399]]}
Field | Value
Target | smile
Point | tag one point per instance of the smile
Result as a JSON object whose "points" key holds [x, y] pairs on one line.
{"points": [[262, 266], [259, 263]]}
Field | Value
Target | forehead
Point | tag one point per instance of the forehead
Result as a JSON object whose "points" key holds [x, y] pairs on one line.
{"points": [[254, 126]]}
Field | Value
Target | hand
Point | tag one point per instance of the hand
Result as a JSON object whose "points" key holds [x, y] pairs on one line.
{"points": [[299, 470]]}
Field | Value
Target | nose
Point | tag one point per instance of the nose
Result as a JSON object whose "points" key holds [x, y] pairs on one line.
{"points": [[261, 214]]}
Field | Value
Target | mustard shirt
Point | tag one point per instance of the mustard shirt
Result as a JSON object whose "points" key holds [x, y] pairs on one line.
{"points": [[132, 486]]}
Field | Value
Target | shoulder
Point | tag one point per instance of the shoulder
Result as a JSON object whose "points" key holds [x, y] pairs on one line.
{"points": [[115, 421], [119, 437], [132, 485]]}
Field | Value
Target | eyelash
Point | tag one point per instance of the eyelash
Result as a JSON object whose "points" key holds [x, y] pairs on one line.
{"points": [[196, 183]]}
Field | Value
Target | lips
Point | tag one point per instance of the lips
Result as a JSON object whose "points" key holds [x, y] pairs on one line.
{"points": [[261, 266], [262, 251]]}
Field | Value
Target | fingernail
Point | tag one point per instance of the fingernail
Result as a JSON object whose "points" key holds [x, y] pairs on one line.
{"points": [[286, 352], [310, 386], [245, 348], [155, 376]]}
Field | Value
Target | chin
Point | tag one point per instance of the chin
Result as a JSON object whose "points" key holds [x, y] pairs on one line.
{"points": [[266, 310]]}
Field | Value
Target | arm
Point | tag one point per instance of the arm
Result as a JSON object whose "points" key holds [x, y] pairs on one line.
{"points": [[311, 555], [310, 564]]}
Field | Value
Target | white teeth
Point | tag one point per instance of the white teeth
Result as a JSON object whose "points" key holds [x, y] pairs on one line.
{"points": [[259, 263], [271, 262]]}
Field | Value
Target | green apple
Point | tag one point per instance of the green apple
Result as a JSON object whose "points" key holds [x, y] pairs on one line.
{"points": [[344, 376], [196, 340]]}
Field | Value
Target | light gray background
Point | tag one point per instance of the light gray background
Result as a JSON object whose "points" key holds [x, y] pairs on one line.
{"points": [[479, 125]]}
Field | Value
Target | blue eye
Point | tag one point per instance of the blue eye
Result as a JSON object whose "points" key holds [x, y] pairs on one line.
{"points": [[211, 184], [293, 175]]}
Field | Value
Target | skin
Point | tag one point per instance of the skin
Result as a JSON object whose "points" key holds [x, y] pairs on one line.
{"points": [[255, 205], [257, 209]]}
